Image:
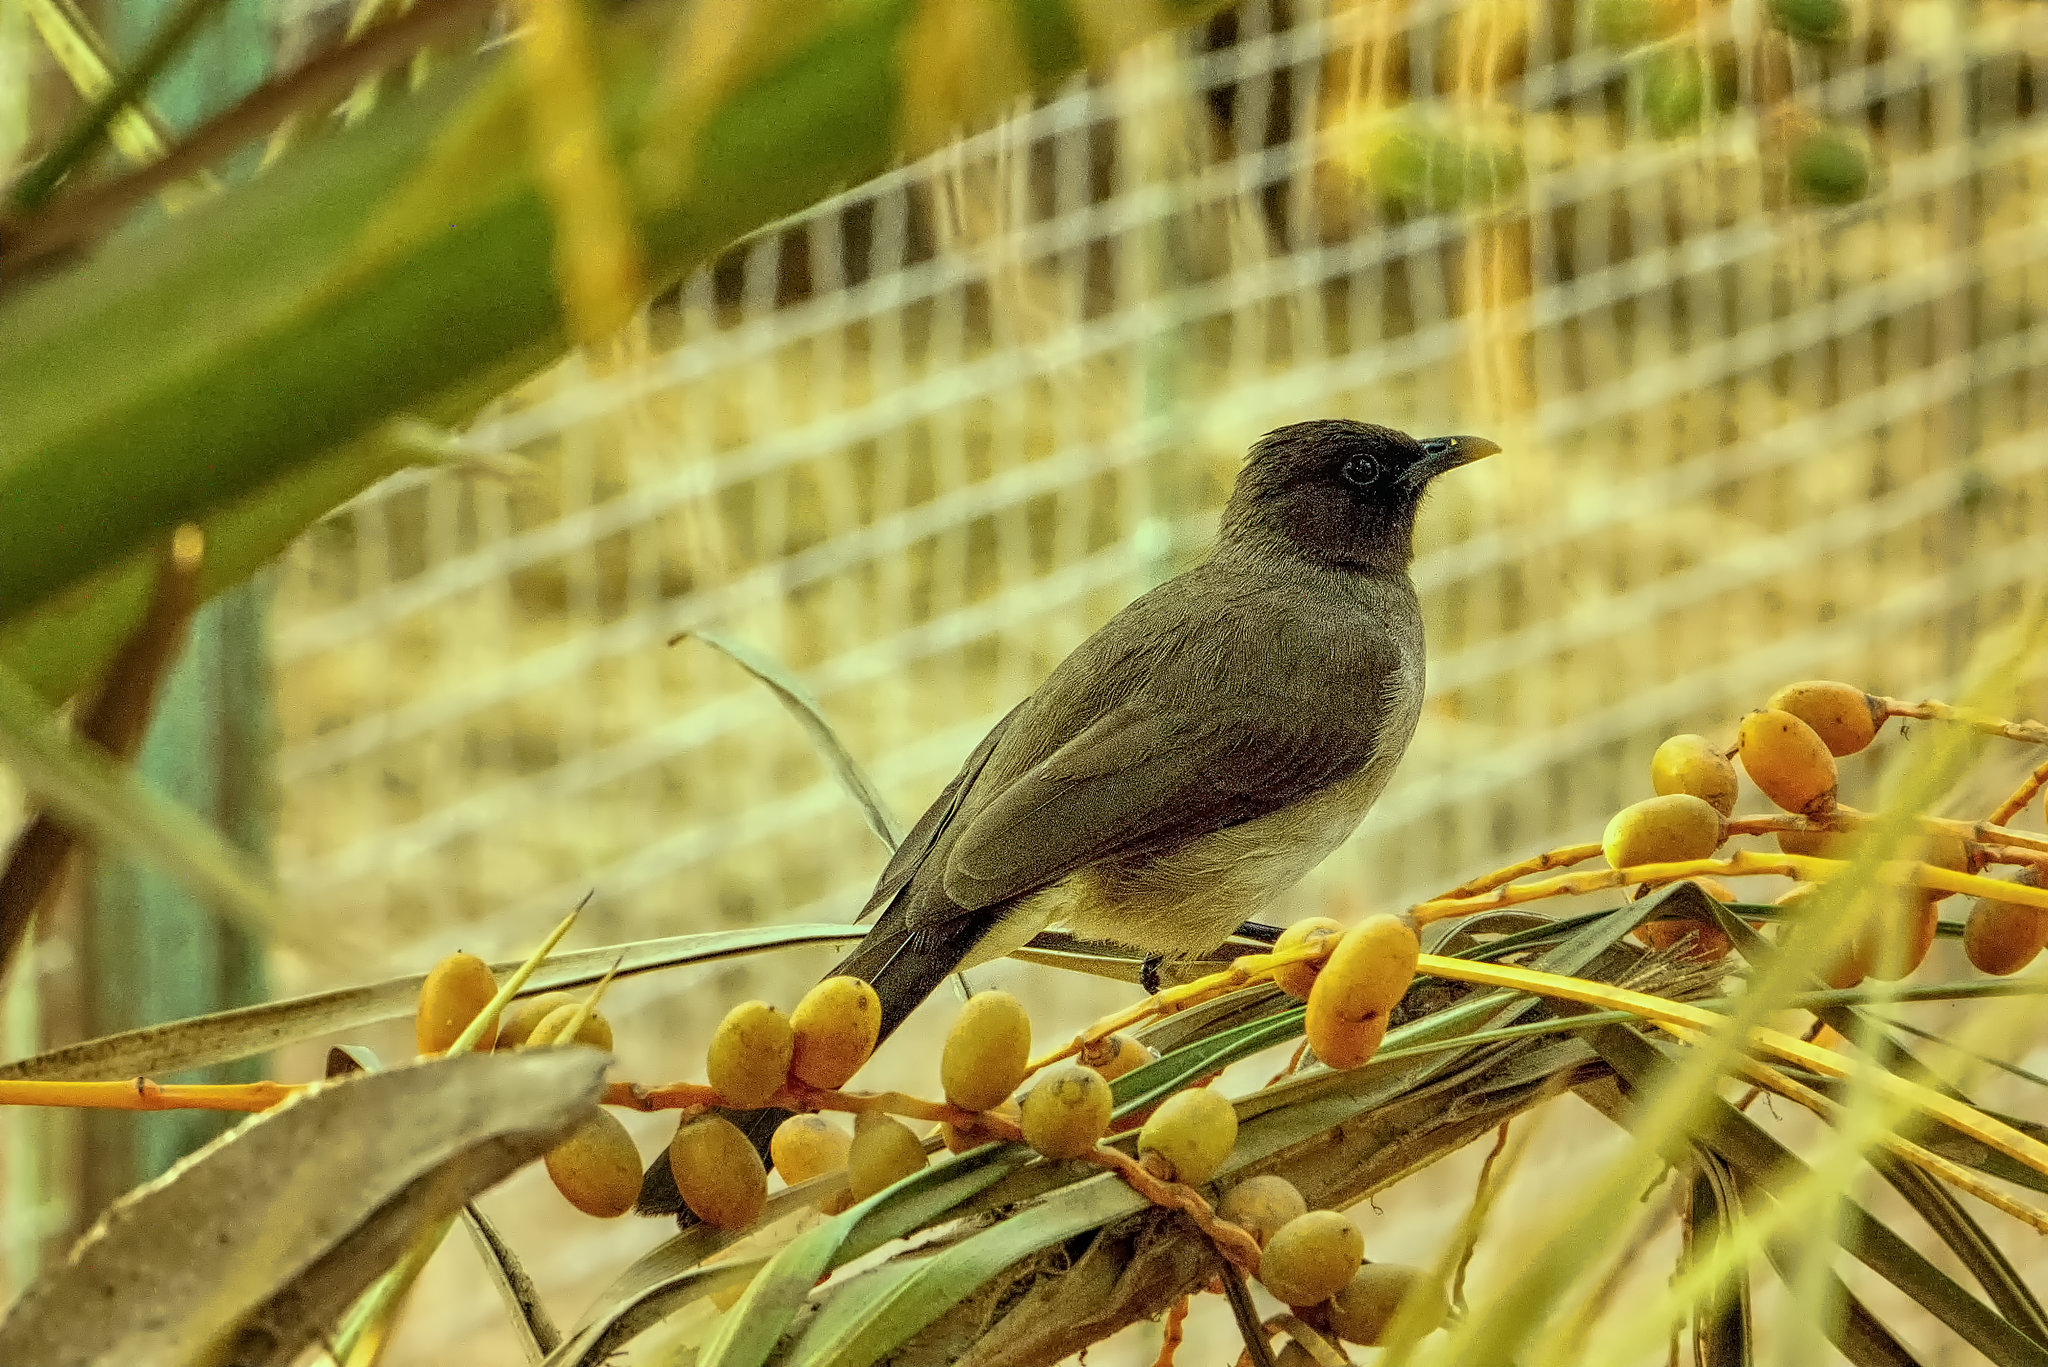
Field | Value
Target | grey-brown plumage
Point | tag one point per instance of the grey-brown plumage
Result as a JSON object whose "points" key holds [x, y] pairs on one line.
{"points": [[1195, 757]]}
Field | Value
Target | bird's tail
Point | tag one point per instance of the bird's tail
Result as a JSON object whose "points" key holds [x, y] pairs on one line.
{"points": [[904, 966]]}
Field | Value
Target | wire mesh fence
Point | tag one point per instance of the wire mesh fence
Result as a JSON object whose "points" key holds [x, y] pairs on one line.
{"points": [[919, 441]]}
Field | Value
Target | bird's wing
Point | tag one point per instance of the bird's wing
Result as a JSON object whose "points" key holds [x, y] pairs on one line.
{"points": [[918, 844], [1200, 747]]}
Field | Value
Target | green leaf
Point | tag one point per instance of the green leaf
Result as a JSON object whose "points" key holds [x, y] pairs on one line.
{"points": [[1462, 942], [1982, 1258], [666, 1278], [749, 1331], [1846, 1021], [1859, 1335], [247, 1031], [751, 1328], [102, 800], [888, 1314], [247, 1250], [801, 705], [405, 267], [1761, 1160], [1057, 949], [531, 1324], [64, 644], [1721, 1328], [2002, 1065], [1143, 1088], [1070, 1198], [842, 1315]]}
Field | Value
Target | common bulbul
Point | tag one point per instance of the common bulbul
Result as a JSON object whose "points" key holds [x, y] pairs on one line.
{"points": [[1190, 761]]}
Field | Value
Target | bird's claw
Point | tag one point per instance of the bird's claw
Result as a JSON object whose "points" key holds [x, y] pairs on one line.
{"points": [[1148, 974]]}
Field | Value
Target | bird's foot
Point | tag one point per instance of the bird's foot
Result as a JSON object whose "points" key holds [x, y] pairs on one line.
{"points": [[1257, 931]]}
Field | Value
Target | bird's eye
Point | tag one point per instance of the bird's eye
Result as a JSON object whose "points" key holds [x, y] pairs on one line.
{"points": [[1359, 471]]}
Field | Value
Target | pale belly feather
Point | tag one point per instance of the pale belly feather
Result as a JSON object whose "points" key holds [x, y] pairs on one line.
{"points": [[1190, 900]]}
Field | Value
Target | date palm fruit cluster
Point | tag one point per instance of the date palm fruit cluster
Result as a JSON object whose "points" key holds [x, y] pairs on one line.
{"points": [[1314, 1261], [1680, 76], [1351, 980], [1351, 992], [1307, 1258], [597, 1168], [758, 1057], [1434, 166], [1788, 749], [754, 1054]]}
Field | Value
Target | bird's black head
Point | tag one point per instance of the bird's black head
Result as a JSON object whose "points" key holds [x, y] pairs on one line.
{"points": [[1340, 493]]}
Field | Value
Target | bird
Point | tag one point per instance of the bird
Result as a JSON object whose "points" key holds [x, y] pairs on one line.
{"points": [[1194, 758]]}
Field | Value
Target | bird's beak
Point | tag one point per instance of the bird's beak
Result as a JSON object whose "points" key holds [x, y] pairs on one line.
{"points": [[1447, 453]]}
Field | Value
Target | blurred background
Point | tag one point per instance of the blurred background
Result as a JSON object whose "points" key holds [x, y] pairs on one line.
{"points": [[1749, 292]]}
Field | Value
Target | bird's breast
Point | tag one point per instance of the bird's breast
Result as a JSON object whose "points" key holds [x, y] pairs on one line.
{"points": [[1189, 900]]}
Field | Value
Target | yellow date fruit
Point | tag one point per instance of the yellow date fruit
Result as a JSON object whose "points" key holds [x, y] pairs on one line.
{"points": [[986, 1052], [1261, 1205], [597, 1169], [718, 1173], [1703, 943], [1851, 963], [1842, 715], [1850, 967], [2004, 937], [835, 1026], [1944, 850], [596, 1031], [1695, 767], [750, 1053], [1362, 981], [1898, 934], [1365, 1309], [515, 1028], [1663, 830], [1296, 979], [1189, 1136], [807, 1146], [1902, 924], [1117, 1055], [883, 1153], [456, 990], [1708, 941], [1312, 1257], [1788, 763], [1066, 1111]]}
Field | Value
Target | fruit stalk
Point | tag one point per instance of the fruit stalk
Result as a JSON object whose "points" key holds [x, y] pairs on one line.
{"points": [[141, 1094], [1932, 709], [2021, 796], [800, 1097], [1233, 1243], [1806, 868]]}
